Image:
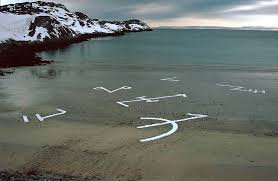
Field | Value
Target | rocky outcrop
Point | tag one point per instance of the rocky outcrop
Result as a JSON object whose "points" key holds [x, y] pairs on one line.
{"points": [[40, 21], [14, 54], [31, 8], [133, 25], [53, 28]]}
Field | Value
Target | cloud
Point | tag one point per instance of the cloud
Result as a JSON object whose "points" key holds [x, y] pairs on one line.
{"points": [[152, 8], [193, 21], [235, 21], [180, 12], [257, 5]]}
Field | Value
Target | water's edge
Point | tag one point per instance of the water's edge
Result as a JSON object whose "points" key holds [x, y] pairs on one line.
{"points": [[13, 52]]}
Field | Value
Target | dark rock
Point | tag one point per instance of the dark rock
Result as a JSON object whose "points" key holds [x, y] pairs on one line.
{"points": [[81, 16], [4, 176], [29, 7], [14, 54], [53, 26], [36, 176]]}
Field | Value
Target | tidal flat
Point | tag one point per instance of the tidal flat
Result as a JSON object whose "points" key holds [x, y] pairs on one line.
{"points": [[98, 137]]}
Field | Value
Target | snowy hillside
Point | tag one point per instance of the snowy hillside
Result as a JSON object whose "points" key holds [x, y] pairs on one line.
{"points": [[39, 21]]}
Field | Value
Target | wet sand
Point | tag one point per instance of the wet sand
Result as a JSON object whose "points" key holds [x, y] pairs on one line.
{"points": [[98, 138], [115, 153]]}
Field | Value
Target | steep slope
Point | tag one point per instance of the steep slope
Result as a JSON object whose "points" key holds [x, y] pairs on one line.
{"points": [[39, 21]]}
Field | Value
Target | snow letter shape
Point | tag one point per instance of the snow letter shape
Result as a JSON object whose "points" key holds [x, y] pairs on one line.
{"points": [[149, 100], [172, 79], [50, 116], [112, 91], [242, 89], [25, 119], [166, 121]]}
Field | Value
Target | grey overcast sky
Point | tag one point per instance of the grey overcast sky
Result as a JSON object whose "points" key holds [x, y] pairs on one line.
{"points": [[231, 13]]}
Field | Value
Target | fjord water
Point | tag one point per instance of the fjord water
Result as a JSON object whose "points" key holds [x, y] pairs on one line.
{"points": [[200, 59], [179, 47]]}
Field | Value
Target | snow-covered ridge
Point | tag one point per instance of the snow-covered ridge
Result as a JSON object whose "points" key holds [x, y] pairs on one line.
{"points": [[39, 21]]}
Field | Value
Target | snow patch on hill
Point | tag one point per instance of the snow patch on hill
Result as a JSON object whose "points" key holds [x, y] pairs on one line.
{"points": [[39, 21], [14, 26]]}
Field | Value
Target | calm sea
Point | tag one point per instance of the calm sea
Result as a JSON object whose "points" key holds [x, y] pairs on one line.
{"points": [[199, 59], [178, 47]]}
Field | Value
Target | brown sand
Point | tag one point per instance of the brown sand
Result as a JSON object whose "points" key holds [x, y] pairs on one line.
{"points": [[115, 153]]}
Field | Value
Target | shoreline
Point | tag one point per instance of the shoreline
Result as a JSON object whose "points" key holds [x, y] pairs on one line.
{"points": [[20, 53], [6, 72]]}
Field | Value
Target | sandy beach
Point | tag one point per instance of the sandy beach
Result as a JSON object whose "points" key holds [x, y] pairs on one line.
{"points": [[114, 153], [138, 90]]}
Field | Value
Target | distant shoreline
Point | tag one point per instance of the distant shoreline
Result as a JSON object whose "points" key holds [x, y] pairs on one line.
{"points": [[217, 28]]}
